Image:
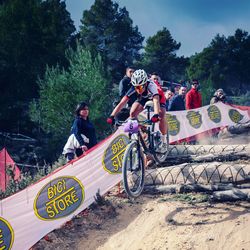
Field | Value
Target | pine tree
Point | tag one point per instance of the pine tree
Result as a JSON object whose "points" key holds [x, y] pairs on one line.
{"points": [[108, 30], [160, 56]]}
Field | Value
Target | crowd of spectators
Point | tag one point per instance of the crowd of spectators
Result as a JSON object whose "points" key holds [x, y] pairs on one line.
{"points": [[179, 98]]}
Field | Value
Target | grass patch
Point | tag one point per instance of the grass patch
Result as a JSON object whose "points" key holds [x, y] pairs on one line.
{"points": [[191, 198]]}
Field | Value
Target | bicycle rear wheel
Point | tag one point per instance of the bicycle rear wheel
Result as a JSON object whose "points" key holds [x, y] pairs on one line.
{"points": [[133, 170]]}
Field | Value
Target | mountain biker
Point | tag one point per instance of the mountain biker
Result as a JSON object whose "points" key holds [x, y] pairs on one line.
{"points": [[145, 89]]}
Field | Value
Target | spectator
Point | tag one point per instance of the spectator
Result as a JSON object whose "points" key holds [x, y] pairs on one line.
{"points": [[156, 78], [163, 123], [177, 102], [168, 94], [176, 88], [125, 85], [193, 101], [219, 96], [193, 96], [83, 136]]}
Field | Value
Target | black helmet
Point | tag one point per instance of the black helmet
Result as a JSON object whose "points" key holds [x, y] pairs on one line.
{"points": [[79, 107]]}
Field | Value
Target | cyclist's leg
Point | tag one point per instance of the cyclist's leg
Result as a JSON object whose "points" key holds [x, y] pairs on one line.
{"points": [[163, 124], [135, 109]]}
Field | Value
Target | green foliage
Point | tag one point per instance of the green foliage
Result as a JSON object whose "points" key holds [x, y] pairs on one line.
{"points": [[33, 34], [243, 100], [191, 198], [224, 64], [160, 56], [207, 91], [108, 30], [61, 90]]}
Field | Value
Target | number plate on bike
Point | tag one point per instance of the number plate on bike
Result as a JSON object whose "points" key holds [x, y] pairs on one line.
{"points": [[131, 126]]}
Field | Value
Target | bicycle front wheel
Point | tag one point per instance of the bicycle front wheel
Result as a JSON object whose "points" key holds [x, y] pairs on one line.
{"points": [[133, 170]]}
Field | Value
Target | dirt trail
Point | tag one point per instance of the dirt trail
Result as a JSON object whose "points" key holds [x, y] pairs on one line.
{"points": [[159, 224], [155, 222]]}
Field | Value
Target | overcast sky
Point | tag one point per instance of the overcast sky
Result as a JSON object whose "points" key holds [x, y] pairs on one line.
{"points": [[193, 23]]}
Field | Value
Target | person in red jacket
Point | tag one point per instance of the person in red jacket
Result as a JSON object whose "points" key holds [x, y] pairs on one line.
{"points": [[193, 96], [193, 101]]}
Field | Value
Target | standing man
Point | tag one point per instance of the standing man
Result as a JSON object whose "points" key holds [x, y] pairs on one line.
{"points": [[168, 94], [177, 102], [125, 84], [193, 101], [193, 96]]}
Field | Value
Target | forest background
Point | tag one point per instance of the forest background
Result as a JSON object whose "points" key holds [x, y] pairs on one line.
{"points": [[47, 66]]}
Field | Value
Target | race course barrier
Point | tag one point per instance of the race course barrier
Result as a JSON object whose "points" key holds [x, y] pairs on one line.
{"points": [[30, 214]]}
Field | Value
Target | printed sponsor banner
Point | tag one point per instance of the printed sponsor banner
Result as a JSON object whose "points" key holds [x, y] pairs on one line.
{"points": [[113, 155], [27, 216], [184, 124], [6, 234], [214, 114], [59, 198]]}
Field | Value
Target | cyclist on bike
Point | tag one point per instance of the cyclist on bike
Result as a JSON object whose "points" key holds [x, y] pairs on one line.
{"points": [[145, 89]]}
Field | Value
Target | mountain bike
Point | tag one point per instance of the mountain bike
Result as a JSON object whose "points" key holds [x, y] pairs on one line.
{"points": [[145, 141]]}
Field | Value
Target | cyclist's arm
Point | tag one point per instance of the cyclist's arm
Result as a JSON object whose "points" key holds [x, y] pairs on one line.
{"points": [[156, 102], [120, 105]]}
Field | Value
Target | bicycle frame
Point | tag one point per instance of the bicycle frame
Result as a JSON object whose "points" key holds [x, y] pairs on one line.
{"points": [[148, 150]]}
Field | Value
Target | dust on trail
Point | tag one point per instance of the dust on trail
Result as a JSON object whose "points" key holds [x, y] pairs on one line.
{"points": [[155, 222]]}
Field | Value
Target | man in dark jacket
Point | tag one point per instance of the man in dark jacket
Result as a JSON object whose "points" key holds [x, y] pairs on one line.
{"points": [[125, 84], [177, 102]]}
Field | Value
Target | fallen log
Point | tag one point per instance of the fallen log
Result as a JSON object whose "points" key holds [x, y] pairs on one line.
{"points": [[231, 195], [183, 188], [222, 157], [219, 193], [239, 128], [193, 173], [183, 150]]}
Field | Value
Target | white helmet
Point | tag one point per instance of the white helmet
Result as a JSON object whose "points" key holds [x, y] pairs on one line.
{"points": [[139, 78]]}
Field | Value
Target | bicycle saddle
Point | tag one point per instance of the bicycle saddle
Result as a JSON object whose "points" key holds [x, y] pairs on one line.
{"points": [[149, 104]]}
